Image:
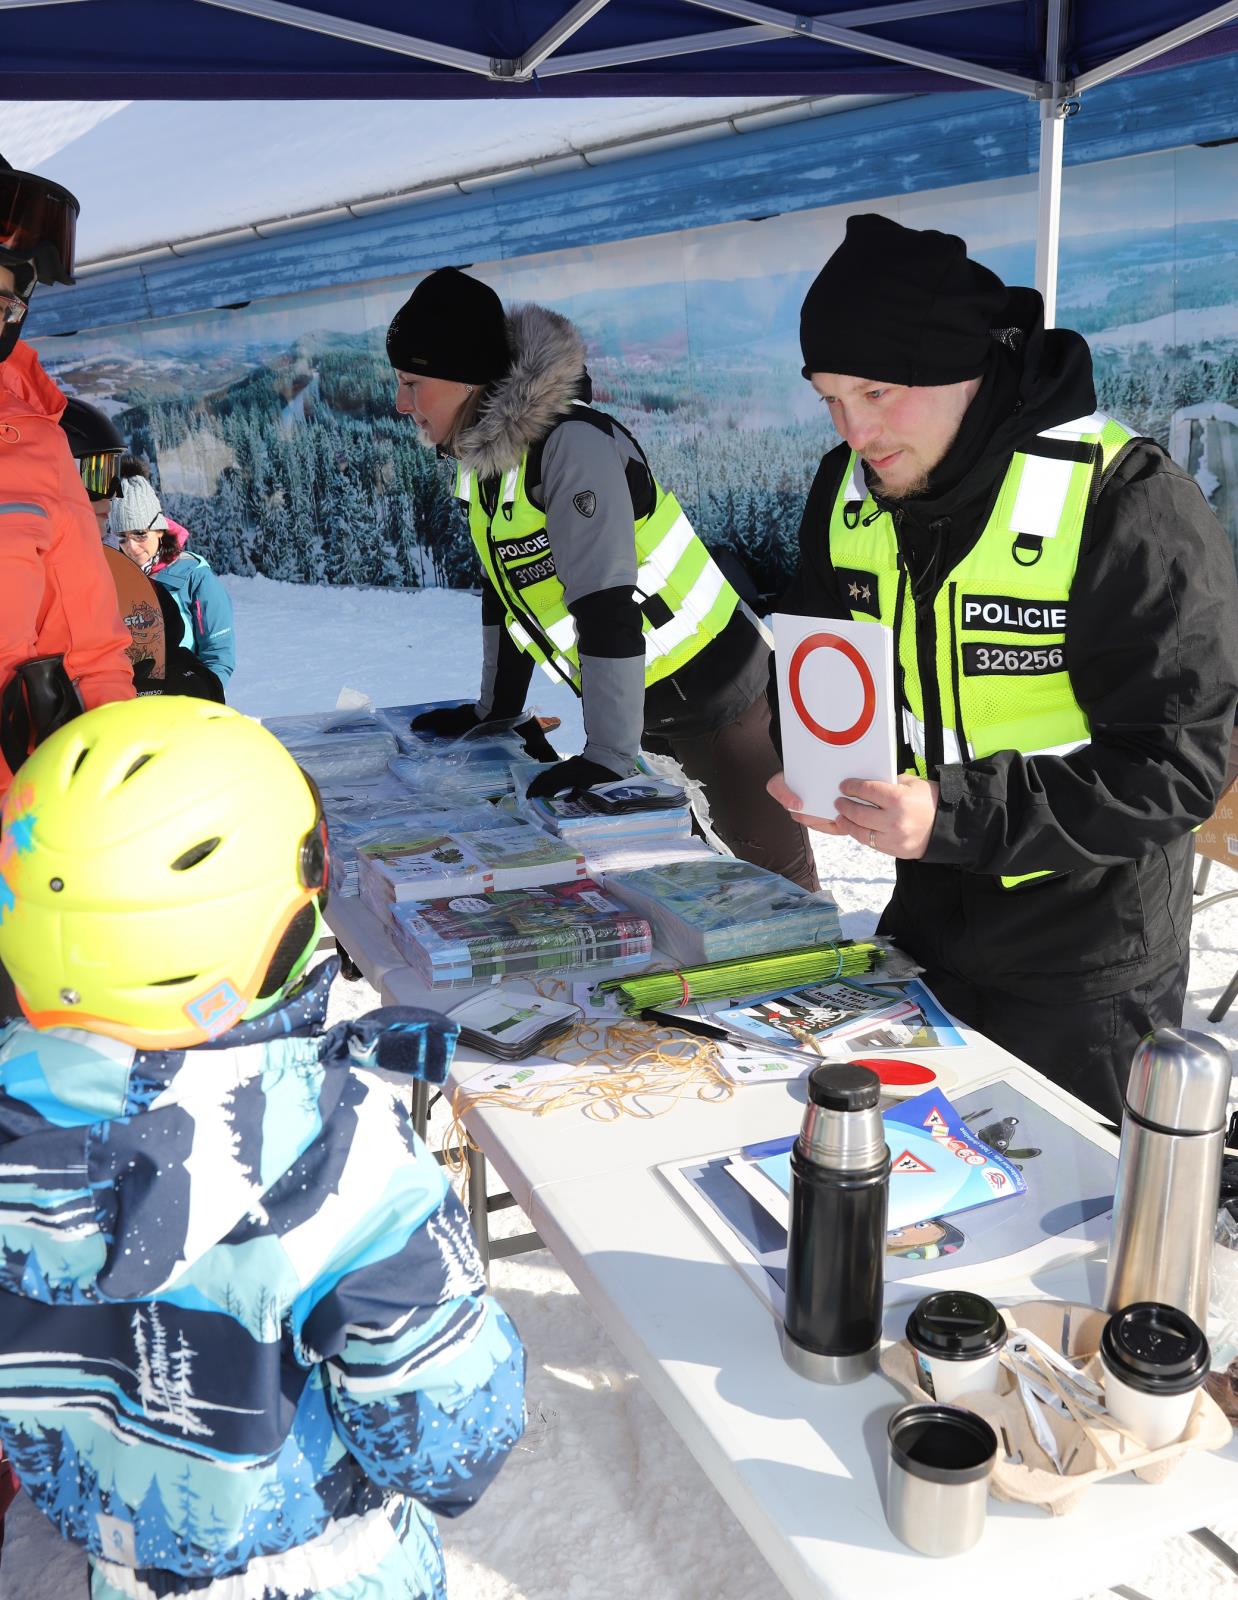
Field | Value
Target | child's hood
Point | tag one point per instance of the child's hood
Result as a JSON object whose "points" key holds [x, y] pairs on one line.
{"points": [[120, 1169]]}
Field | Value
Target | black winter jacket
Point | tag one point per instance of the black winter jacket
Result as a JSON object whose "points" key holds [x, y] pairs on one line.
{"points": [[1152, 652]]}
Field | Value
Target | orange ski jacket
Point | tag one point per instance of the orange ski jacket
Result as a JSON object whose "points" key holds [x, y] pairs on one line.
{"points": [[56, 594]]}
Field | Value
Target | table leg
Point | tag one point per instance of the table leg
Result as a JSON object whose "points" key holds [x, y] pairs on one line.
{"points": [[479, 1211], [419, 1106], [1226, 1000]]}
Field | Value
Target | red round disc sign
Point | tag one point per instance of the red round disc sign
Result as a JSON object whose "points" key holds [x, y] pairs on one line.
{"points": [[861, 725]]}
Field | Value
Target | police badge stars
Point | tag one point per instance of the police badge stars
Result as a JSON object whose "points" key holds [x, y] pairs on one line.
{"points": [[836, 699]]}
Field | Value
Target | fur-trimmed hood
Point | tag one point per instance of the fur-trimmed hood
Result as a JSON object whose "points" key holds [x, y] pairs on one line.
{"points": [[547, 373]]}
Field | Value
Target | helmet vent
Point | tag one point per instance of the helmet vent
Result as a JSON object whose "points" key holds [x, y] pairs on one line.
{"points": [[194, 854], [77, 764], [136, 767], [168, 983], [288, 952]]}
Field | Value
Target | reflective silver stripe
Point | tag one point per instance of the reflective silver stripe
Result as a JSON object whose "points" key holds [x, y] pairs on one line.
{"points": [[1041, 499], [17, 507], [858, 489], [915, 733], [694, 609], [660, 563], [521, 635], [562, 634], [1058, 749], [509, 487], [464, 486], [1076, 428]]}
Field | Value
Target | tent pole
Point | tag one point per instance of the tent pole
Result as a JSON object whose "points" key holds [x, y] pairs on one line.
{"points": [[1053, 114], [1049, 209]]}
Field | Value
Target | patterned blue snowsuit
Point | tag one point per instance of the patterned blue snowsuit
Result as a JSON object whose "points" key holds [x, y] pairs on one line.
{"points": [[245, 1349]]}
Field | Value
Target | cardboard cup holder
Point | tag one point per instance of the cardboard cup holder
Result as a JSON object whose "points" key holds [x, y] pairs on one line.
{"points": [[1025, 1472]]}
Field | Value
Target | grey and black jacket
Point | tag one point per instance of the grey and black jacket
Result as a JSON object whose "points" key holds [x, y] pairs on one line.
{"points": [[580, 457]]}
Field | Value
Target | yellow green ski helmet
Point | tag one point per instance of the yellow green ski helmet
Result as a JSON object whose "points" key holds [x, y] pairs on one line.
{"points": [[161, 864]]}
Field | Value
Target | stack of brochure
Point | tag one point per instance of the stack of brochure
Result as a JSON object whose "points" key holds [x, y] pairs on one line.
{"points": [[709, 910], [336, 745], [511, 1023], [816, 1018], [350, 828], [435, 864], [479, 771], [474, 940], [629, 811]]}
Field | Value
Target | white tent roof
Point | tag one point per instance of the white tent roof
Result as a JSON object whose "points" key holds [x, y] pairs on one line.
{"points": [[155, 173]]}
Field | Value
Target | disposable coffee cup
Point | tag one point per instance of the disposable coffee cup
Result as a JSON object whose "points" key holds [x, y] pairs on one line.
{"points": [[1154, 1358], [941, 1458], [957, 1339]]}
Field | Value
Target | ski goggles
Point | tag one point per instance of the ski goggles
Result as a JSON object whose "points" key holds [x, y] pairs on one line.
{"points": [[38, 224], [101, 473]]}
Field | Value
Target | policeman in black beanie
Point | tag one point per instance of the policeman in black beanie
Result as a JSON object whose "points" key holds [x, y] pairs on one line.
{"points": [[590, 567], [1065, 617]]}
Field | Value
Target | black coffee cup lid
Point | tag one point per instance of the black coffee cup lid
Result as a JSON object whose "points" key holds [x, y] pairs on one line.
{"points": [[844, 1086], [956, 1325], [1155, 1348]]}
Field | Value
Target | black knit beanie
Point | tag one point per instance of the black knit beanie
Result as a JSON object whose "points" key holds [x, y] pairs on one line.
{"points": [[903, 305], [451, 326]]}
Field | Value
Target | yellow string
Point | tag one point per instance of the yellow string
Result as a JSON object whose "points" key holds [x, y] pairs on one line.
{"points": [[628, 1064]]}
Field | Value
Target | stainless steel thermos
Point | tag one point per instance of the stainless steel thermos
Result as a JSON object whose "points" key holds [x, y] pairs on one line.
{"points": [[840, 1181], [1169, 1173]]}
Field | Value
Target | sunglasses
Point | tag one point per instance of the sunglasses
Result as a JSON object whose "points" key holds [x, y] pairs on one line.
{"points": [[12, 308], [101, 473]]}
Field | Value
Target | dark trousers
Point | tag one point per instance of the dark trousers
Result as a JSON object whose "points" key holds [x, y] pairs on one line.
{"points": [[1085, 1046], [732, 764]]}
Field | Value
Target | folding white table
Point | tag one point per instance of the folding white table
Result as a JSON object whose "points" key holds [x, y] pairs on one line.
{"points": [[801, 1466]]}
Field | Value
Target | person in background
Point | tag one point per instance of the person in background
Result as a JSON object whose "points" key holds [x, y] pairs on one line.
{"points": [[1066, 632], [62, 642], [98, 450], [248, 1349], [589, 565], [139, 522], [161, 661]]}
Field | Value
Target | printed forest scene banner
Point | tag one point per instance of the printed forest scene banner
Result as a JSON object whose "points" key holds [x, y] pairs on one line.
{"points": [[272, 433]]}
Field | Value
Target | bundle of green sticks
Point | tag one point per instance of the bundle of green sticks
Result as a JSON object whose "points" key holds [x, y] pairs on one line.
{"points": [[747, 976]]}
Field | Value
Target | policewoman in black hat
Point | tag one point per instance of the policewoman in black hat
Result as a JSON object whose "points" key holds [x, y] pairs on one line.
{"points": [[590, 567], [1065, 620]]}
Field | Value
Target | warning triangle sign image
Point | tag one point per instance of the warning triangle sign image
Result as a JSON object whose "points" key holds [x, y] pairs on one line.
{"points": [[909, 1163]]}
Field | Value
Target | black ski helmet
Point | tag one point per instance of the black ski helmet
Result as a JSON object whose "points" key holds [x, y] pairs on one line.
{"points": [[97, 447]]}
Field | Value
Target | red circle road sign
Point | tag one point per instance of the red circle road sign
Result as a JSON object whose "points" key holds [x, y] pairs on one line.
{"points": [[861, 725]]}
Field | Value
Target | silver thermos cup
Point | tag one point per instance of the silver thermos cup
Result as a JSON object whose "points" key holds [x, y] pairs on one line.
{"points": [[1169, 1173]]}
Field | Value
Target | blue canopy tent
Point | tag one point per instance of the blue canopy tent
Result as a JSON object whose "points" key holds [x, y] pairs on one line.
{"points": [[1049, 51]]}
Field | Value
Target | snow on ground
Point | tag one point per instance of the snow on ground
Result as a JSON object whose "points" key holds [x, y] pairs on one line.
{"points": [[602, 1500]]}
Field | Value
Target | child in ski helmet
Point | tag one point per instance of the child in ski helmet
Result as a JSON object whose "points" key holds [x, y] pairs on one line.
{"points": [[249, 1350]]}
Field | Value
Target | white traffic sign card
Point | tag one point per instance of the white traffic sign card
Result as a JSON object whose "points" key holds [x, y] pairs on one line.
{"points": [[836, 701]]}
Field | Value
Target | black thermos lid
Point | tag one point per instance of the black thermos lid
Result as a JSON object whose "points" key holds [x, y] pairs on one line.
{"points": [[1155, 1348], [844, 1086], [956, 1325]]}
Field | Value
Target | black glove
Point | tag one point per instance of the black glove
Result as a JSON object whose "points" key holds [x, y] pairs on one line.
{"points": [[537, 746], [447, 722], [578, 772]]}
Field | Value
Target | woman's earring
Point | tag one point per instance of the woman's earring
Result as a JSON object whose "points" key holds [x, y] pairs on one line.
{"points": [[468, 389]]}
